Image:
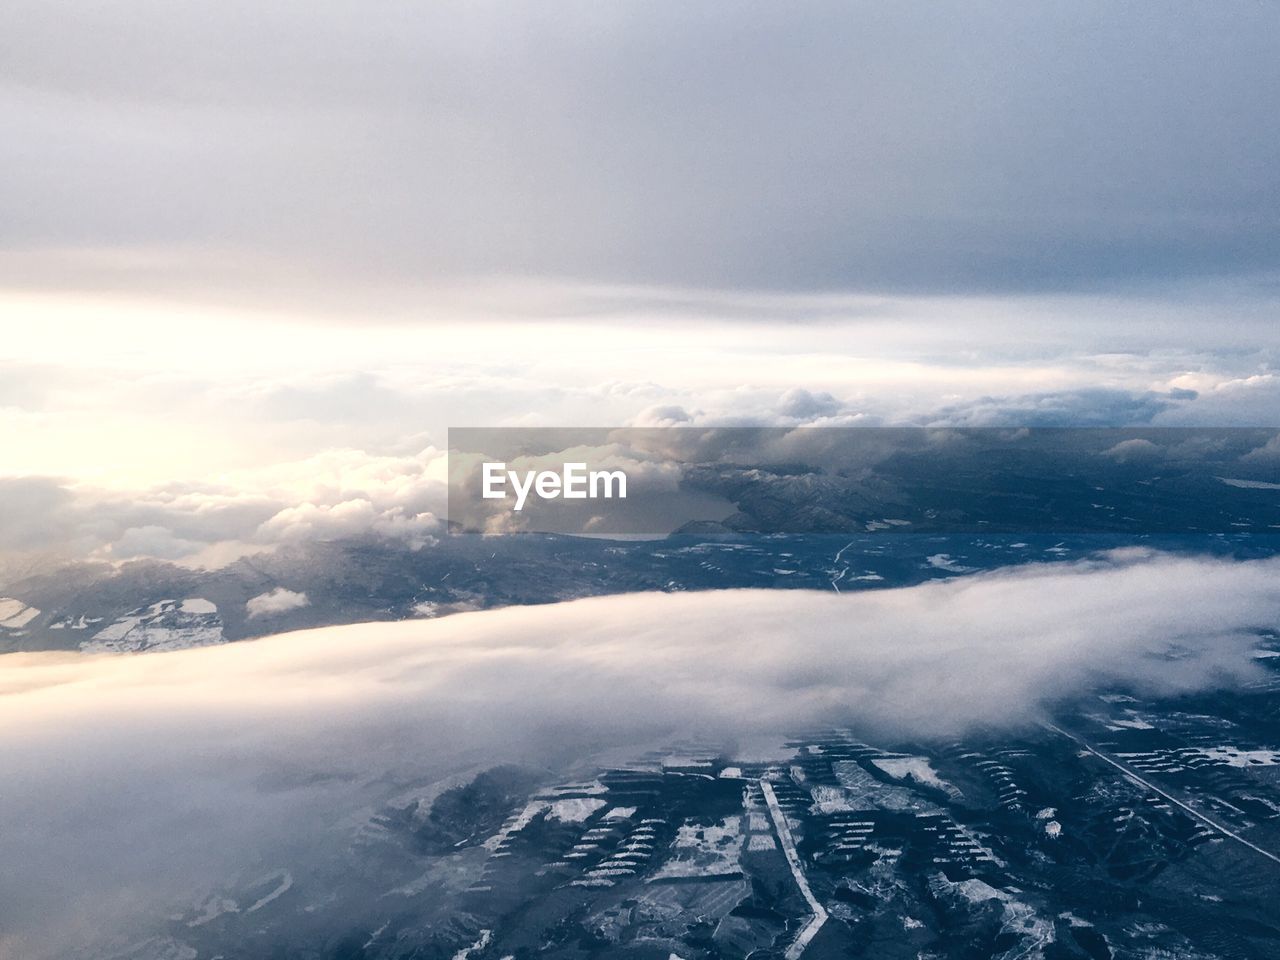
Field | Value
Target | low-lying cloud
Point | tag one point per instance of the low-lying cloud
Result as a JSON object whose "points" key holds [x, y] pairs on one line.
{"points": [[276, 601], [174, 770]]}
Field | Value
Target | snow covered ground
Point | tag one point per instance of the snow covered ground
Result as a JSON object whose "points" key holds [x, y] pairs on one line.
{"points": [[574, 809], [14, 614], [943, 561], [166, 625], [1235, 757], [915, 768], [704, 850]]}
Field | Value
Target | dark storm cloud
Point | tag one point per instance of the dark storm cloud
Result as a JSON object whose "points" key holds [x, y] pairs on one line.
{"points": [[988, 146]]}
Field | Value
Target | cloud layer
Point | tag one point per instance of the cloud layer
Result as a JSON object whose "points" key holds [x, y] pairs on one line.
{"points": [[174, 769], [841, 145], [401, 497]]}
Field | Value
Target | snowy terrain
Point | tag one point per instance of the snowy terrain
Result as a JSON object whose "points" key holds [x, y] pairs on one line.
{"points": [[14, 614], [166, 625]]}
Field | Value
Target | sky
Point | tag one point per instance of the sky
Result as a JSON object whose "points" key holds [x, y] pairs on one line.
{"points": [[248, 253], [256, 259], [912, 147]]}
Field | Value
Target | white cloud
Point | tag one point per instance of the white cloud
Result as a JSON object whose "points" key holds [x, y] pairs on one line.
{"points": [[348, 519], [151, 541], [276, 601], [802, 405], [1136, 450], [1267, 454], [337, 493], [662, 415]]}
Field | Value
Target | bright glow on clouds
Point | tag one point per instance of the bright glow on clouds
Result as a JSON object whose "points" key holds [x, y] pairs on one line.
{"points": [[191, 433], [175, 769], [336, 494], [129, 395]]}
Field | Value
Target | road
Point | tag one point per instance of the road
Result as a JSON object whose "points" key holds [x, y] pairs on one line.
{"points": [[1186, 808], [783, 830], [840, 576]]}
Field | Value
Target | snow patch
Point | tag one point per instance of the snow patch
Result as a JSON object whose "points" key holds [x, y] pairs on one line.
{"points": [[574, 809], [14, 614], [1235, 757], [485, 937], [943, 561], [286, 881], [1249, 484], [702, 850], [915, 768], [166, 625]]}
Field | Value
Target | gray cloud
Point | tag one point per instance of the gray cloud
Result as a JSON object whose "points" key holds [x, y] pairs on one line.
{"points": [[152, 541], [31, 512], [803, 405], [1089, 407], [1081, 407], [174, 769], [1267, 454], [989, 146]]}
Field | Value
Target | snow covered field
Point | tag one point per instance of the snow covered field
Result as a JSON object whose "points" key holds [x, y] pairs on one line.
{"points": [[166, 625], [14, 614]]}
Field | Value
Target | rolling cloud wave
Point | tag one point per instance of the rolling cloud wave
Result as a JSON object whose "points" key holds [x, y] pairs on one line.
{"points": [[138, 779]]}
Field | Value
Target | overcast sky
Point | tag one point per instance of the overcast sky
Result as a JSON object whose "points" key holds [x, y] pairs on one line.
{"points": [[845, 145], [238, 239]]}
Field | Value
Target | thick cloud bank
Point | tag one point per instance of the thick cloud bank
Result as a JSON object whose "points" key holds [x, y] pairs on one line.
{"points": [[130, 780]]}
